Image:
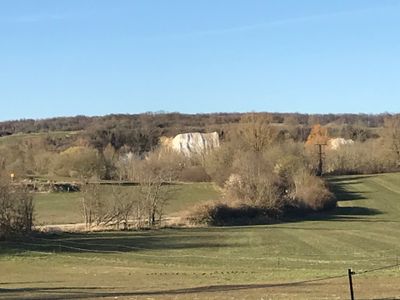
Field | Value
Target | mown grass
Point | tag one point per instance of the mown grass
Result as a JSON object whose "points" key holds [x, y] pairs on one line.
{"points": [[63, 208], [271, 262], [57, 208]]}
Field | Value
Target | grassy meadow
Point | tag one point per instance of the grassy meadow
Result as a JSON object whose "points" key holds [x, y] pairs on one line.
{"points": [[21, 137], [64, 208], [300, 259]]}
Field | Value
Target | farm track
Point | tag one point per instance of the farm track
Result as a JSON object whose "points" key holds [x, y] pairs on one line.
{"points": [[81, 227]]}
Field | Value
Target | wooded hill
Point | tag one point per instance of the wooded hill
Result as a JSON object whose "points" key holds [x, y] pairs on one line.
{"points": [[141, 132]]}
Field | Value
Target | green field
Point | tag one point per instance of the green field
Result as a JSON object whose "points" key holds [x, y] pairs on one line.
{"points": [[303, 259], [18, 137], [63, 208]]}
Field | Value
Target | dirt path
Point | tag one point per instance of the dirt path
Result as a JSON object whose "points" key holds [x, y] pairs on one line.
{"points": [[81, 227]]}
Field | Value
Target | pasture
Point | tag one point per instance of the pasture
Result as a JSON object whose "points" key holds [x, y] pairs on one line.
{"points": [[64, 208], [300, 259]]}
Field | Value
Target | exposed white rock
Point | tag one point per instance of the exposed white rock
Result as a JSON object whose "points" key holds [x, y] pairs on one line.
{"points": [[335, 144], [192, 142]]}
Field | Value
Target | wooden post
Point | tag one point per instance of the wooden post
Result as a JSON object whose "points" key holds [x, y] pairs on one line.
{"points": [[320, 163], [320, 159], [351, 283]]}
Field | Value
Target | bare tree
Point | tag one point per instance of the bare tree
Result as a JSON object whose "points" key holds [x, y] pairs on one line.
{"points": [[98, 208], [256, 132], [155, 175], [16, 210], [392, 135], [90, 195], [127, 206], [144, 204]]}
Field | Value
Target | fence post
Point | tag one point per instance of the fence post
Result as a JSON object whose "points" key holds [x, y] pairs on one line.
{"points": [[350, 273]]}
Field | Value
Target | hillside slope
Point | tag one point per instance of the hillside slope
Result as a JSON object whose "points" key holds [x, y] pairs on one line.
{"points": [[298, 260]]}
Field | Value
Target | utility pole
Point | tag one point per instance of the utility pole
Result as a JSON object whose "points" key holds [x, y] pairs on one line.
{"points": [[321, 156], [350, 273]]}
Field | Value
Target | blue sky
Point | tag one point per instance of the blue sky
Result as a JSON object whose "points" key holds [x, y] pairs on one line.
{"points": [[95, 57]]}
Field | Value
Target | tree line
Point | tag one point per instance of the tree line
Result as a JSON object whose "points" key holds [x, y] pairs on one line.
{"points": [[101, 140], [265, 168], [173, 123]]}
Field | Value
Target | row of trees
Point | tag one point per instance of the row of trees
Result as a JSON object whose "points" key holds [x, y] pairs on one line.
{"points": [[173, 123], [256, 166], [142, 206], [264, 176], [104, 145], [265, 173], [260, 166], [371, 156]]}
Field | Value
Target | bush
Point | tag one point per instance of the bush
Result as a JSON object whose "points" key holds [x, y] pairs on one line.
{"points": [[194, 174], [264, 185], [81, 162], [311, 193], [255, 182], [218, 163], [360, 158], [223, 214], [16, 211]]}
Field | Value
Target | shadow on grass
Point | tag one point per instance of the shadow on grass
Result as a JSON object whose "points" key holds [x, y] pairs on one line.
{"points": [[111, 242], [347, 214], [25, 282], [136, 242], [57, 293], [348, 178], [339, 187]]}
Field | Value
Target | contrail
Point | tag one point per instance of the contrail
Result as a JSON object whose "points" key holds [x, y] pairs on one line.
{"points": [[272, 24]]}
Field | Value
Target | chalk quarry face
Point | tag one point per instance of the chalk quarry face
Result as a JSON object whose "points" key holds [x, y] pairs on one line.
{"points": [[335, 144], [192, 143]]}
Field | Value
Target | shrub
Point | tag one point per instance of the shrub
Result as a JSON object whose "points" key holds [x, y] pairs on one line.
{"points": [[194, 174], [360, 158], [218, 163], [256, 182], [223, 214], [311, 193], [79, 161], [16, 211]]}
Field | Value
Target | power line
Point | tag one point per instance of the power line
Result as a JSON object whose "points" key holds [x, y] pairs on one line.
{"points": [[378, 269]]}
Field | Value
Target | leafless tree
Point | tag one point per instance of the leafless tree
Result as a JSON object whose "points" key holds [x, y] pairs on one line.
{"points": [[98, 207], [392, 135], [155, 175], [256, 132], [127, 205], [143, 204], [16, 210]]}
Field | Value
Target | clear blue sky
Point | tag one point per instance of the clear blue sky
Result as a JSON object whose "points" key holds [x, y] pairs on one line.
{"points": [[96, 57]]}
